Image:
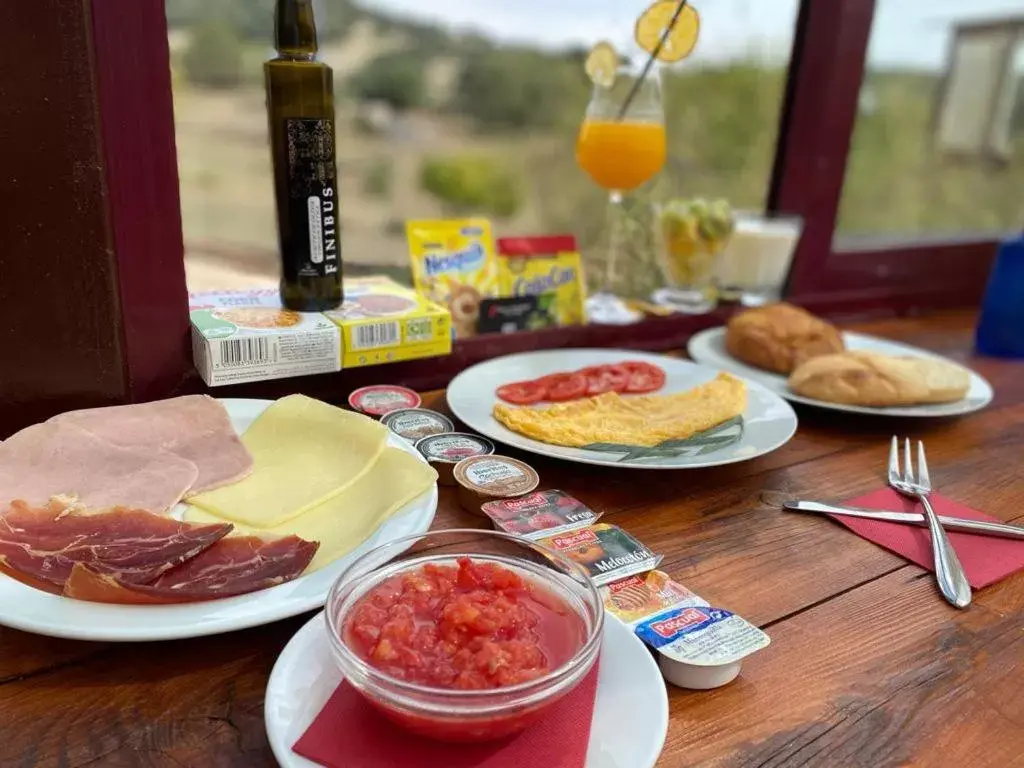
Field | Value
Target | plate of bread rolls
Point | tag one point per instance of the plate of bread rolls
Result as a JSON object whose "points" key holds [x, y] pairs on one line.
{"points": [[806, 359]]}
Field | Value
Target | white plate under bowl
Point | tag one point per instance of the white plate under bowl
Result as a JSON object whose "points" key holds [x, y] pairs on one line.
{"points": [[708, 347], [769, 422], [630, 711], [33, 610]]}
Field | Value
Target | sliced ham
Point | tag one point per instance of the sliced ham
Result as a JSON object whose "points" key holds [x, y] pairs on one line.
{"points": [[194, 427], [41, 546], [60, 459], [234, 565]]}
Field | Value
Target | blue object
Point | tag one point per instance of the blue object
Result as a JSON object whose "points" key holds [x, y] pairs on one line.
{"points": [[1001, 325]]}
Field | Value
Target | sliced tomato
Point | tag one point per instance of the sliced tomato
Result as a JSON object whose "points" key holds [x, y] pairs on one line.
{"points": [[523, 392], [565, 386], [605, 378], [643, 377]]}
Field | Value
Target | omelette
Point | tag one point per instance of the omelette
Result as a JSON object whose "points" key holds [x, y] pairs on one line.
{"points": [[645, 420]]}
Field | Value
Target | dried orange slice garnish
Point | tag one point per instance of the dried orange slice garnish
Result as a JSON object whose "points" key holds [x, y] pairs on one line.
{"points": [[601, 65], [653, 23]]}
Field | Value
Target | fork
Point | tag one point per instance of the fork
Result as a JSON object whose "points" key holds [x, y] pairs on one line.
{"points": [[948, 571]]}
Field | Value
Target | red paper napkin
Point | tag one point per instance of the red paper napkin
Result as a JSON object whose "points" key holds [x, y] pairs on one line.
{"points": [[349, 733], [986, 559]]}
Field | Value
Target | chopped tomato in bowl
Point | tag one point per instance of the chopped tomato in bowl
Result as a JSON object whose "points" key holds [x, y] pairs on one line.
{"points": [[464, 635]]}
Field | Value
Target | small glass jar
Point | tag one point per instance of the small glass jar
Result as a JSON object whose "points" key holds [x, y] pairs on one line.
{"points": [[689, 236]]}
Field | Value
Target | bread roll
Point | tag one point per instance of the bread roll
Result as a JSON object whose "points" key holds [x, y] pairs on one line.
{"points": [[778, 337], [865, 378]]}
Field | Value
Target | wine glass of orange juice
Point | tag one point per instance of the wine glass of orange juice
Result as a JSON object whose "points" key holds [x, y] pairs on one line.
{"points": [[621, 145]]}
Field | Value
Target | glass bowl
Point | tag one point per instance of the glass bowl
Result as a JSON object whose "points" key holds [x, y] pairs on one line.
{"points": [[449, 714]]}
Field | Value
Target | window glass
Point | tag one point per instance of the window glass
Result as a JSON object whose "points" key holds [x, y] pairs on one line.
{"points": [[462, 106], [938, 145]]}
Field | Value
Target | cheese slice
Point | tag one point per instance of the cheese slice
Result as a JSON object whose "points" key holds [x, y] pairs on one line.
{"points": [[346, 520], [304, 452]]}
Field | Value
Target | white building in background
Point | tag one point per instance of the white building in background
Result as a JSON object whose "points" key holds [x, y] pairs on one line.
{"points": [[977, 105]]}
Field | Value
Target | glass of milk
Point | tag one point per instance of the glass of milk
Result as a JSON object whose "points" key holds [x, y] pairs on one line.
{"points": [[753, 267]]}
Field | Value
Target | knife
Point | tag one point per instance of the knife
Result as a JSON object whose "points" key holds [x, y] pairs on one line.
{"points": [[1002, 530]]}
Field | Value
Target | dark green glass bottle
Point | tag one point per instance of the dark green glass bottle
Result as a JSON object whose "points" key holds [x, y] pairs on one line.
{"points": [[300, 106]]}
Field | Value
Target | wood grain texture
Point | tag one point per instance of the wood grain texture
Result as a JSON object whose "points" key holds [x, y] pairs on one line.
{"points": [[867, 667], [136, 113], [60, 334]]}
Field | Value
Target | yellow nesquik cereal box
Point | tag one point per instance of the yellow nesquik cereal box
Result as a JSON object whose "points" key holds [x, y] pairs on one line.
{"points": [[533, 266], [453, 264]]}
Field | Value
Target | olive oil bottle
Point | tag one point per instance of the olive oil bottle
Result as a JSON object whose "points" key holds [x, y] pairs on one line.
{"points": [[300, 107]]}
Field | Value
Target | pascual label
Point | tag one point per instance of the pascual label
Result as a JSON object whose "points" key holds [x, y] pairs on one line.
{"points": [[702, 636], [540, 514], [607, 552], [637, 597]]}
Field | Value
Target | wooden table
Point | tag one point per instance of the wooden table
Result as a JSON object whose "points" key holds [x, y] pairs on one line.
{"points": [[868, 666]]}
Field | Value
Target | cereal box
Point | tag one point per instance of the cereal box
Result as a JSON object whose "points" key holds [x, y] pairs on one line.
{"points": [[544, 266], [384, 322], [240, 336], [453, 264]]}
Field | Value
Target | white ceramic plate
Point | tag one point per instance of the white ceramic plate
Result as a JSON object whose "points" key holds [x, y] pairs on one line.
{"points": [[32, 610], [708, 347], [630, 712], [768, 421]]}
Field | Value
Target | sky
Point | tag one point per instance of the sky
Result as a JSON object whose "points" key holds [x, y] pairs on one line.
{"points": [[907, 33]]}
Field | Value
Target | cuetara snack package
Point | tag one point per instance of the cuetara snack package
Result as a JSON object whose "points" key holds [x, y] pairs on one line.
{"points": [[544, 267]]}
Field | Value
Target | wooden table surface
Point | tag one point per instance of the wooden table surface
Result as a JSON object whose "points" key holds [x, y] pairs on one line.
{"points": [[868, 666]]}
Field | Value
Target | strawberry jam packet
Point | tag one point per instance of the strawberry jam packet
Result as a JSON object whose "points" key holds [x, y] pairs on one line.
{"points": [[540, 514]]}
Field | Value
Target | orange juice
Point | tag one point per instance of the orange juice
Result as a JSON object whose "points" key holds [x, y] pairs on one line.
{"points": [[620, 155]]}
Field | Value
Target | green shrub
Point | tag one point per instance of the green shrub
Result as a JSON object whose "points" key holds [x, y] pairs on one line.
{"points": [[379, 178], [515, 89], [471, 184], [214, 56], [395, 78]]}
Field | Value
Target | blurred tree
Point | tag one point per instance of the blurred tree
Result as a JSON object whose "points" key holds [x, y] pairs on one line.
{"points": [[214, 56], [512, 88], [395, 78], [378, 180], [468, 184]]}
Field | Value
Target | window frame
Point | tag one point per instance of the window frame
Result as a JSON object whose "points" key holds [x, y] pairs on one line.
{"points": [[826, 73], [141, 252]]}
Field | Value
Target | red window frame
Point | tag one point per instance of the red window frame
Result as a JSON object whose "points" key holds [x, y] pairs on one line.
{"points": [[115, 301], [826, 72]]}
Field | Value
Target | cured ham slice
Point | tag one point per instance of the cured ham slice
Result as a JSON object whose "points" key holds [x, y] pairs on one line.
{"points": [[234, 565], [61, 459], [41, 546], [195, 428]]}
